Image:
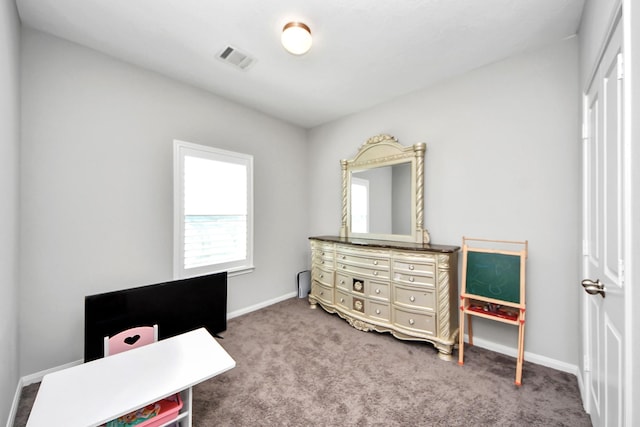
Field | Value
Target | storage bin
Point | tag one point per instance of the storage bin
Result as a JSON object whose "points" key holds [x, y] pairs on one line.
{"points": [[153, 415]]}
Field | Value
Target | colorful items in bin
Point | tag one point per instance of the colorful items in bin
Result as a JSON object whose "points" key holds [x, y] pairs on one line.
{"points": [[151, 415], [136, 417]]}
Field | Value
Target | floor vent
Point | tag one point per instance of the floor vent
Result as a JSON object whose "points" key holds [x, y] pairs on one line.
{"points": [[233, 56]]}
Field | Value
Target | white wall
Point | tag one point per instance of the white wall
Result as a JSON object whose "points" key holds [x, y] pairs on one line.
{"points": [[9, 143], [502, 161], [96, 188]]}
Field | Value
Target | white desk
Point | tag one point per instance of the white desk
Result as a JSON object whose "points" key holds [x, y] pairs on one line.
{"points": [[96, 392]]}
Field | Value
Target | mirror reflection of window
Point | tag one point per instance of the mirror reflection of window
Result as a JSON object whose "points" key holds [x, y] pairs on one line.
{"points": [[359, 205]]}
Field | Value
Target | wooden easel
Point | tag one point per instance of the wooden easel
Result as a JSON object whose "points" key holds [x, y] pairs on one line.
{"points": [[493, 287]]}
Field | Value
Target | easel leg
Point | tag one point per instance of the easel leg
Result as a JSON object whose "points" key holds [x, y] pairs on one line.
{"points": [[461, 336], [470, 327], [520, 353]]}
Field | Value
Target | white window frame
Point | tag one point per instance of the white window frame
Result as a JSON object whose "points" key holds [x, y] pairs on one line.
{"points": [[364, 183], [181, 149]]}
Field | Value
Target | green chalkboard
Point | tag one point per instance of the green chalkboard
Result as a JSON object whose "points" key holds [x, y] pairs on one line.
{"points": [[493, 275]]}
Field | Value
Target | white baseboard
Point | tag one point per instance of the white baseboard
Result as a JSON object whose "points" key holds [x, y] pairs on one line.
{"points": [[37, 377], [31, 379], [528, 356], [14, 406], [260, 305]]}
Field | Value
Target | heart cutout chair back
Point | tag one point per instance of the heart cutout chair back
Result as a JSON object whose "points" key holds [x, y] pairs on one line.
{"points": [[129, 339]]}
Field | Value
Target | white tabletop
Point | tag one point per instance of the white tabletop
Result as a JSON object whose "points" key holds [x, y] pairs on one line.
{"points": [[99, 391]]}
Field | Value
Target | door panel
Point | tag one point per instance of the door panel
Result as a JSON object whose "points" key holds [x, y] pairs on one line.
{"points": [[603, 234], [613, 369]]}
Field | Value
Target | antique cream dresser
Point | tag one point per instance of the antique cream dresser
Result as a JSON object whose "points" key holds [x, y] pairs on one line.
{"points": [[407, 289], [382, 273]]}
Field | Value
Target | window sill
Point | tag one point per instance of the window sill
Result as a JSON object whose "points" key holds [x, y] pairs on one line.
{"points": [[240, 271]]}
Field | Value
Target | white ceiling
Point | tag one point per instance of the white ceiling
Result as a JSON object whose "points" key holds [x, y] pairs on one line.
{"points": [[365, 52]]}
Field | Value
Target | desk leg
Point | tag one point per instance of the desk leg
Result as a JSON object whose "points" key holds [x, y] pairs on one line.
{"points": [[189, 402]]}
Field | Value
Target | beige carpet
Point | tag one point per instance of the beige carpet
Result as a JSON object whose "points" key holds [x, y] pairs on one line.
{"points": [[302, 367]]}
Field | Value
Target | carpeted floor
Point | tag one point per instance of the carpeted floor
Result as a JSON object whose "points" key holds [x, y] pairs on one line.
{"points": [[302, 367]]}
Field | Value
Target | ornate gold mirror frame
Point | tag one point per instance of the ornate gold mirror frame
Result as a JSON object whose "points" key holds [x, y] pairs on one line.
{"points": [[383, 151]]}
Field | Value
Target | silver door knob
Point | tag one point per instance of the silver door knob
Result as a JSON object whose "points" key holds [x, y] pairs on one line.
{"points": [[593, 287]]}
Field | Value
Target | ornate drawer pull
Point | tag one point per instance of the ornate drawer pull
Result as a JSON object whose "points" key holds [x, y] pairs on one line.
{"points": [[377, 291], [322, 276], [322, 262], [377, 311], [342, 282], [375, 273], [322, 253], [321, 292], [412, 298], [344, 266], [341, 299], [375, 262], [411, 267], [411, 321], [411, 279], [357, 286], [344, 257]]}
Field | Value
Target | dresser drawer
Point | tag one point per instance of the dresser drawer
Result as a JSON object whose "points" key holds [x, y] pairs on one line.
{"points": [[325, 262], [323, 276], [412, 267], [418, 298], [362, 271], [323, 250], [323, 293], [414, 279], [343, 300], [343, 282], [348, 258], [414, 257], [424, 323], [378, 311], [378, 290]]}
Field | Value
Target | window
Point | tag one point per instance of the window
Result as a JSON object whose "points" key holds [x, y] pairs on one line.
{"points": [[213, 210], [359, 205]]}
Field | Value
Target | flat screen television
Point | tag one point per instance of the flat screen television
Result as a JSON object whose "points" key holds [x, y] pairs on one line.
{"points": [[176, 307]]}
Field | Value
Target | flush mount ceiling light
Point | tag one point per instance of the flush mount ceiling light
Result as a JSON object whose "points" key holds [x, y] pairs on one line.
{"points": [[296, 38]]}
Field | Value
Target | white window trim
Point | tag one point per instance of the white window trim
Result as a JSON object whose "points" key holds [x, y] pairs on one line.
{"points": [[180, 149], [363, 183]]}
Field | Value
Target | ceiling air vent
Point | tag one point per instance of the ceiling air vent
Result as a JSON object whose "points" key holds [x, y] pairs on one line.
{"points": [[233, 56]]}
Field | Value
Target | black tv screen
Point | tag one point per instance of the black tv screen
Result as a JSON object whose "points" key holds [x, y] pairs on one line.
{"points": [[176, 307]]}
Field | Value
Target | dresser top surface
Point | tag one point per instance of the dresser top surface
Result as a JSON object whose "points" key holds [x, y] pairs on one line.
{"points": [[389, 244]]}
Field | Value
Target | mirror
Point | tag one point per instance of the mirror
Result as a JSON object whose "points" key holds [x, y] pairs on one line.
{"points": [[382, 192], [381, 200]]}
